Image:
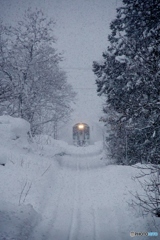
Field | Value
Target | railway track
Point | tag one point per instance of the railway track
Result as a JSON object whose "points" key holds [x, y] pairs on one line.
{"points": [[73, 211]]}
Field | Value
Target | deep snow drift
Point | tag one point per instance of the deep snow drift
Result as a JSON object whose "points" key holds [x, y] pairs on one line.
{"points": [[53, 191]]}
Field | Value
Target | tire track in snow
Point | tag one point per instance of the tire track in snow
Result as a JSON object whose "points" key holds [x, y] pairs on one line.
{"points": [[95, 237], [82, 217], [83, 225], [50, 212], [65, 221], [75, 214], [57, 200], [95, 225]]}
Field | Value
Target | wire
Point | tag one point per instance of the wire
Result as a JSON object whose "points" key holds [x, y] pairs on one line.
{"points": [[85, 88], [84, 69]]}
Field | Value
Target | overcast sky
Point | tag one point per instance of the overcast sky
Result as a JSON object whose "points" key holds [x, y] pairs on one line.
{"points": [[82, 28]]}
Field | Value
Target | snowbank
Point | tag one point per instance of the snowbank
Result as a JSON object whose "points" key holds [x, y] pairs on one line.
{"points": [[49, 147], [17, 222], [14, 132], [24, 168], [52, 147], [90, 150], [14, 129]]}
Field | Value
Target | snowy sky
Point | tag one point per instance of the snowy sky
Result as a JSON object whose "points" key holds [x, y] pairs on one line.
{"points": [[82, 28]]}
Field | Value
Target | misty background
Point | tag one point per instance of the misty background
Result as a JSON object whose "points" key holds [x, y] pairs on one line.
{"points": [[81, 30]]}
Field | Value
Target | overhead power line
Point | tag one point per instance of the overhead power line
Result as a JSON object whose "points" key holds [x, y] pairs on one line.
{"points": [[78, 68], [85, 88]]}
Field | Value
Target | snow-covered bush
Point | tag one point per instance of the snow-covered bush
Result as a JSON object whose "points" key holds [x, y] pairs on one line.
{"points": [[14, 130]]}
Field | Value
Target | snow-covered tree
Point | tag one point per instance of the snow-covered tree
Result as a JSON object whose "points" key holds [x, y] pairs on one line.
{"points": [[149, 200], [56, 111], [30, 65], [130, 79], [6, 77]]}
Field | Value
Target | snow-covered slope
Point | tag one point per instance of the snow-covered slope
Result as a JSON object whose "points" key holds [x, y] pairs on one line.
{"points": [[50, 190]]}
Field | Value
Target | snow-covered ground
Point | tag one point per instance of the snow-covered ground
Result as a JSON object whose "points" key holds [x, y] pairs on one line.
{"points": [[50, 190]]}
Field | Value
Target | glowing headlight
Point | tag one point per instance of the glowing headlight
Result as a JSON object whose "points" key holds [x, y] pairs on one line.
{"points": [[81, 126]]}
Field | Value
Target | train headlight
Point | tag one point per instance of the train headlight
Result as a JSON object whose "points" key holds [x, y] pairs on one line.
{"points": [[81, 126]]}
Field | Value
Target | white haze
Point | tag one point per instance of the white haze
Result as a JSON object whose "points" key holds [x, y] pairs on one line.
{"points": [[82, 29]]}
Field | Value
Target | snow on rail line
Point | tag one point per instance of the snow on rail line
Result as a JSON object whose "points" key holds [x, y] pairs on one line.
{"points": [[51, 190]]}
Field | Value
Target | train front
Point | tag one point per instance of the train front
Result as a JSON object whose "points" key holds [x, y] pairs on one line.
{"points": [[81, 134]]}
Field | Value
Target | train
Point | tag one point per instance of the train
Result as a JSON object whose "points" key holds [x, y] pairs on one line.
{"points": [[81, 134]]}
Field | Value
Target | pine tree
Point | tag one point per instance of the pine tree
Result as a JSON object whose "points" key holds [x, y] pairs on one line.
{"points": [[130, 79]]}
